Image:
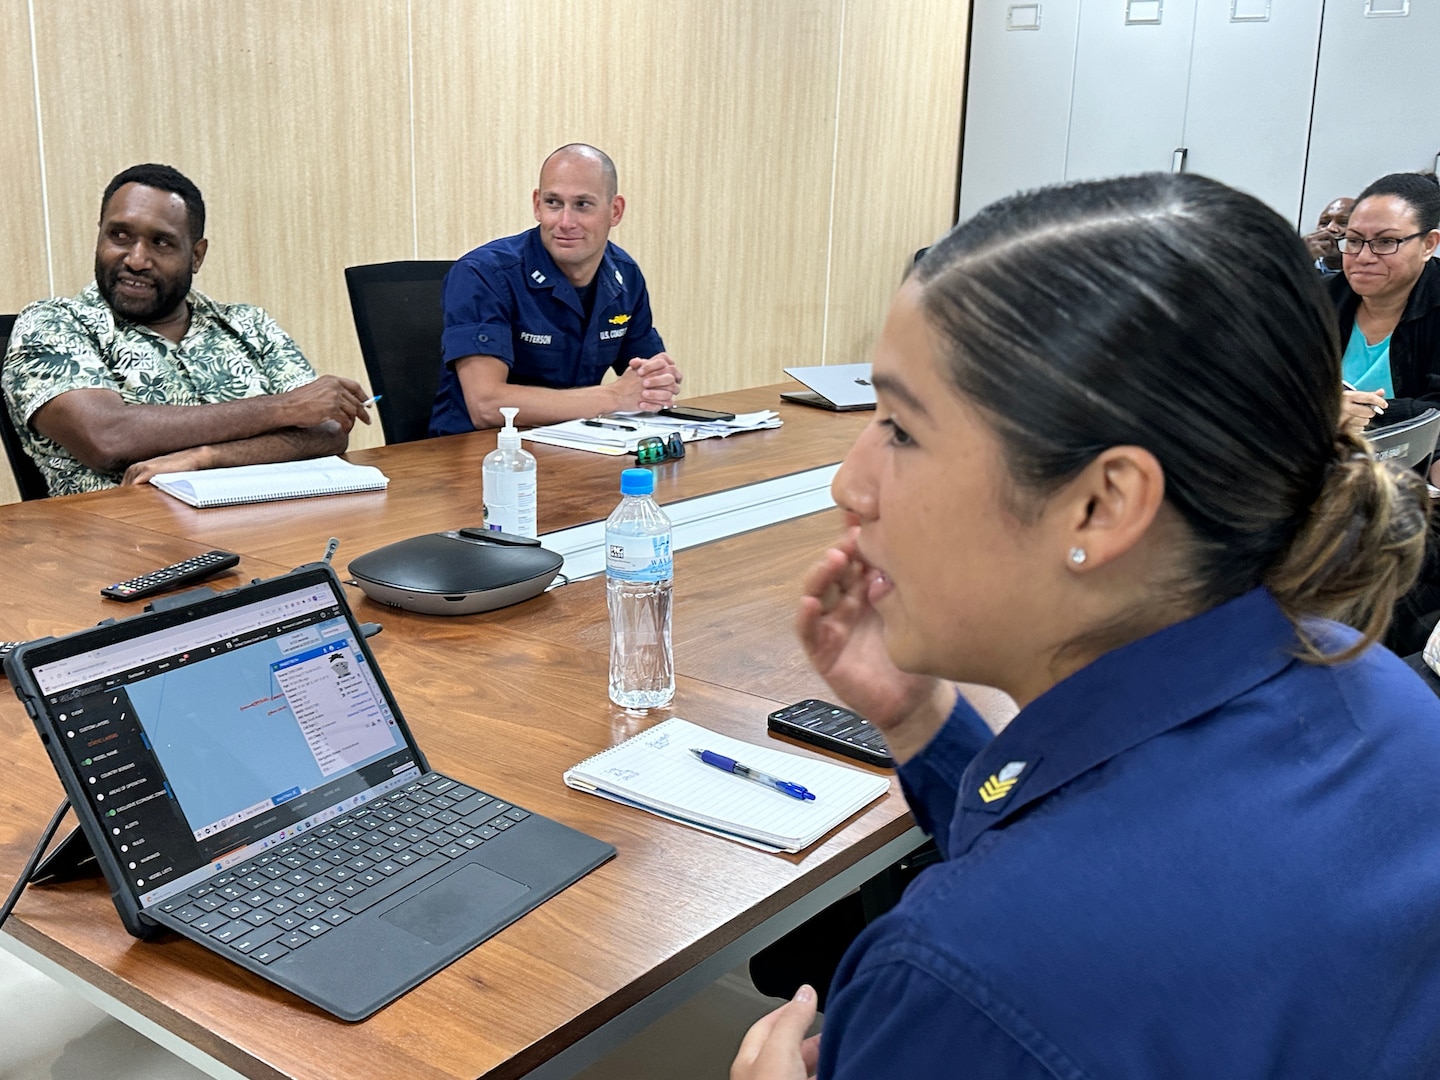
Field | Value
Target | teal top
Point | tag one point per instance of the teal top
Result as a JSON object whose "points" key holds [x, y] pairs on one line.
{"points": [[1367, 367]]}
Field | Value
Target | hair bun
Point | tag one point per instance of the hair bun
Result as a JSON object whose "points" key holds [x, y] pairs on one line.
{"points": [[1360, 547]]}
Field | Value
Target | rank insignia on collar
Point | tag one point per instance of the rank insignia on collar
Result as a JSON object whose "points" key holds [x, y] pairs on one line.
{"points": [[538, 277], [999, 784]]}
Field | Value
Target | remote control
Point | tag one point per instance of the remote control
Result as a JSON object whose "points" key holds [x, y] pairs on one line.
{"points": [[832, 728], [171, 577]]}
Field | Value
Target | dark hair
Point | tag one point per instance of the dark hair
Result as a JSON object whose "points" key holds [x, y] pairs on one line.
{"points": [[162, 178], [1419, 191], [1117, 312], [580, 149]]}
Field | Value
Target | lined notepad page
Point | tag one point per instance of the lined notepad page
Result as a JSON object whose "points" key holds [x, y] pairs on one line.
{"points": [[656, 771]]}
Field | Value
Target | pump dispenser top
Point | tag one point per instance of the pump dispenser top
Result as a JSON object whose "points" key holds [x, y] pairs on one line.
{"points": [[509, 437]]}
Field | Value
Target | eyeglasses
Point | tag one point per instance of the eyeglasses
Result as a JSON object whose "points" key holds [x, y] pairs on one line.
{"points": [[1379, 245], [653, 450]]}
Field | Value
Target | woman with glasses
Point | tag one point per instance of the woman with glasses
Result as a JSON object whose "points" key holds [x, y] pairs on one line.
{"points": [[1107, 476], [1388, 301]]}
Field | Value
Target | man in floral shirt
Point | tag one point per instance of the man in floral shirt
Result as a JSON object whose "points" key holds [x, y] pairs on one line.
{"points": [[139, 374]]}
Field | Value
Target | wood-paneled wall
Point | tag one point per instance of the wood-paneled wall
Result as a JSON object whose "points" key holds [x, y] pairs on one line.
{"points": [[781, 158]]}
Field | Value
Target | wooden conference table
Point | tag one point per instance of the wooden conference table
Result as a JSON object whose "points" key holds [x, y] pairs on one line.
{"points": [[506, 701]]}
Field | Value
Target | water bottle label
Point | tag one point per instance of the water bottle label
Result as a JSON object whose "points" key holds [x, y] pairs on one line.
{"points": [[638, 558]]}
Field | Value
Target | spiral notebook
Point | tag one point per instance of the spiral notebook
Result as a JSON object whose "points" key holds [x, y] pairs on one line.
{"points": [[267, 483], [655, 771]]}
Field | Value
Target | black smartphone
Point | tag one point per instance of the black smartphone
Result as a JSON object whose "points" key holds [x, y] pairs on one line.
{"points": [[831, 727], [685, 412]]}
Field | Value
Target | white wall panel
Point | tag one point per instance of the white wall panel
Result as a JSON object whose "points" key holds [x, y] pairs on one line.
{"points": [[1249, 102], [1128, 110], [1377, 98], [1018, 120]]}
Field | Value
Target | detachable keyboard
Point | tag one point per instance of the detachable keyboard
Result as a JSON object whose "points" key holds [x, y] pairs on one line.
{"points": [[285, 898]]}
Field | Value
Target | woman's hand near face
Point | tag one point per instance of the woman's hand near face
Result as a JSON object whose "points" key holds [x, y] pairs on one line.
{"points": [[844, 638], [1359, 407]]}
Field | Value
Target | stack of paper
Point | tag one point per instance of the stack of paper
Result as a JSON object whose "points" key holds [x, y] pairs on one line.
{"points": [[708, 429], [656, 771], [619, 433]]}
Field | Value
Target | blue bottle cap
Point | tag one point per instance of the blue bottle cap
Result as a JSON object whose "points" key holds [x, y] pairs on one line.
{"points": [[637, 482]]}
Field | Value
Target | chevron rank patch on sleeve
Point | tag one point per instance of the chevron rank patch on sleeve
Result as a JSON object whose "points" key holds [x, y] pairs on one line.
{"points": [[998, 785]]}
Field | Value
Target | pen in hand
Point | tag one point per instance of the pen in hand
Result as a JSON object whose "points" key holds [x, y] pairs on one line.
{"points": [[730, 765], [1351, 386]]}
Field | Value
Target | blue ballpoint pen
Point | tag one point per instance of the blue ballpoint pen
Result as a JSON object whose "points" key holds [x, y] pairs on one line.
{"points": [[730, 765]]}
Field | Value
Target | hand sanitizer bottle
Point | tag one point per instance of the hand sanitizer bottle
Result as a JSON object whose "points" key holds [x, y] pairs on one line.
{"points": [[508, 483]]}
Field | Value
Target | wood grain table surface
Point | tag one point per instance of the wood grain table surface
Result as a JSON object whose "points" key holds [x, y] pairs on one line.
{"points": [[506, 701], [435, 485]]}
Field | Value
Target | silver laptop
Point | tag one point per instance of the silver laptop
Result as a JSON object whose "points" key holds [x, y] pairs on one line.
{"points": [[245, 778], [837, 387]]}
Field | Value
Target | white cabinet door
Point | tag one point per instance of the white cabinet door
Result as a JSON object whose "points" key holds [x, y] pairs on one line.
{"points": [[1377, 97], [1017, 113], [1128, 110], [1252, 73]]}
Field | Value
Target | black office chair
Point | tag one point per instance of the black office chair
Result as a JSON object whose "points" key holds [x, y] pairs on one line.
{"points": [[1409, 444], [28, 477], [398, 321]]}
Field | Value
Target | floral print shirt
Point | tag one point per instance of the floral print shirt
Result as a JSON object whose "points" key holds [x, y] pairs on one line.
{"points": [[230, 351]]}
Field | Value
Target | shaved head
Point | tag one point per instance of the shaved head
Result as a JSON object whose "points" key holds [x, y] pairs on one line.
{"points": [[590, 153]]}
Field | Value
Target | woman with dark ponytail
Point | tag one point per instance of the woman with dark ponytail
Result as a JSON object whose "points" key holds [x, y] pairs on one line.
{"points": [[1104, 478]]}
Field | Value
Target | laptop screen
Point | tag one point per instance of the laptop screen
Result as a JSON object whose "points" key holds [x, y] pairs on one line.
{"points": [[203, 742]]}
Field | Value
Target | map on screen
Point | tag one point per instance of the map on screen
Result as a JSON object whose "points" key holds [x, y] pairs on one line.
{"points": [[249, 729]]}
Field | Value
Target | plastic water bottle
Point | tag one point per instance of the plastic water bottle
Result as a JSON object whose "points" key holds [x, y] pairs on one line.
{"points": [[507, 483], [638, 582]]}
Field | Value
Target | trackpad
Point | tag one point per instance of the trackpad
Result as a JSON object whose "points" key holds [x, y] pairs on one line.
{"points": [[464, 902]]}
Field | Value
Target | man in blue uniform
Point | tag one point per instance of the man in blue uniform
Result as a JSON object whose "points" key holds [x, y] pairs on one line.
{"points": [[535, 320]]}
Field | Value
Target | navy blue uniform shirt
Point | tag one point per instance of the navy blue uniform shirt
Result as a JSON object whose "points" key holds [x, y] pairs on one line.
{"points": [[508, 299], [1198, 857]]}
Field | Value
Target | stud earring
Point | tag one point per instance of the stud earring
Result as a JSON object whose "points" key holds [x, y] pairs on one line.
{"points": [[1077, 556]]}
